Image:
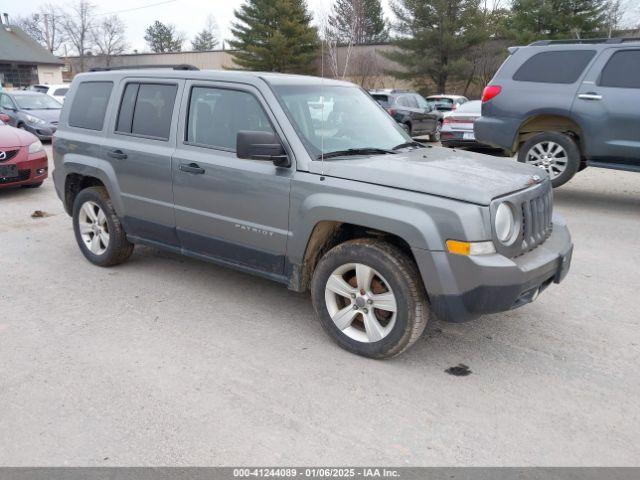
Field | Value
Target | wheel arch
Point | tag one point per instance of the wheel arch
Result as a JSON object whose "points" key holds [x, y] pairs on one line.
{"points": [[548, 122], [87, 172]]}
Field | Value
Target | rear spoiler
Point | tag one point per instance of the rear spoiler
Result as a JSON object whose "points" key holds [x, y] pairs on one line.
{"points": [[512, 50]]}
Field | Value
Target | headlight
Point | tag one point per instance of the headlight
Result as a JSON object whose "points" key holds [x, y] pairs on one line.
{"points": [[36, 147], [34, 120], [505, 223]]}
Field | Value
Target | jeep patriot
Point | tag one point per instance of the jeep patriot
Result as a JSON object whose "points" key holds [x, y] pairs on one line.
{"points": [[236, 168]]}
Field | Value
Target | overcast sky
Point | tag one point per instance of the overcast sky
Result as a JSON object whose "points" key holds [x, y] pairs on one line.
{"points": [[187, 15]]}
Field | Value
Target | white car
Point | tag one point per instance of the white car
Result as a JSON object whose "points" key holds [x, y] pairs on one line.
{"points": [[446, 103], [56, 91]]}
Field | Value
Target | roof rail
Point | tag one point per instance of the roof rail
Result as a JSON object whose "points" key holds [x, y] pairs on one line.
{"points": [[541, 43], [182, 66]]}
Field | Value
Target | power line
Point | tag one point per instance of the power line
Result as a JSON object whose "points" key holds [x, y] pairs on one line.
{"points": [[136, 8]]}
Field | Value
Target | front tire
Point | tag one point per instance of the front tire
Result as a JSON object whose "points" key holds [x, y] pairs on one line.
{"points": [[556, 153], [369, 298], [98, 230]]}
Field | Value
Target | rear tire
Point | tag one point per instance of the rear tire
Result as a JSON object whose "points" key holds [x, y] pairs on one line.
{"points": [[435, 136], [388, 317], [98, 230], [556, 153]]}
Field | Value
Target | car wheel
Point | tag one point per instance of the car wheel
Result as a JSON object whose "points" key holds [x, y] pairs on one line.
{"points": [[369, 298], [435, 136], [98, 230], [556, 153], [33, 185]]}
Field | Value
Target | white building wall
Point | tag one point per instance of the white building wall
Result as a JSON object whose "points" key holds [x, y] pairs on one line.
{"points": [[50, 74]]}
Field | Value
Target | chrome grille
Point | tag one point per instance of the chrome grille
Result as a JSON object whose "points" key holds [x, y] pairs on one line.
{"points": [[536, 220]]}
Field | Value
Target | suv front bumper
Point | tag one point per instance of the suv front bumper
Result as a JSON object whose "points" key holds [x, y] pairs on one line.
{"points": [[462, 288]]}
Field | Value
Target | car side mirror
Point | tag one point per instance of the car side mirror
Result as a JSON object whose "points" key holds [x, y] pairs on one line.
{"points": [[261, 146]]}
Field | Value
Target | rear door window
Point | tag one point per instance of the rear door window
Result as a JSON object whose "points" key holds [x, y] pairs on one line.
{"points": [[563, 66], [408, 101], [90, 104], [622, 70], [146, 110]]}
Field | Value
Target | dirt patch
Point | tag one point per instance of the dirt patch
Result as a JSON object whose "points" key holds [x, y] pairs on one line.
{"points": [[40, 214], [461, 370]]}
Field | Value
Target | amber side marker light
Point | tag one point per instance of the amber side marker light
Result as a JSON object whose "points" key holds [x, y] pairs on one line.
{"points": [[470, 248]]}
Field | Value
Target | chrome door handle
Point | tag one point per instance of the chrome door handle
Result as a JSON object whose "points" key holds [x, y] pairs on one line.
{"points": [[590, 96]]}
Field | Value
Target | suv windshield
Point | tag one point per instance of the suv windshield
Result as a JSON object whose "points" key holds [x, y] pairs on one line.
{"points": [[339, 118], [37, 102]]}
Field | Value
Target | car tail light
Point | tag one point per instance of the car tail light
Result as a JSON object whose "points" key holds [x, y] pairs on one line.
{"points": [[490, 91], [392, 111], [447, 121]]}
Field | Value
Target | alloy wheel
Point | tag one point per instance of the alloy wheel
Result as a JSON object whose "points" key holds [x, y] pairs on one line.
{"points": [[94, 228], [548, 156], [360, 302]]}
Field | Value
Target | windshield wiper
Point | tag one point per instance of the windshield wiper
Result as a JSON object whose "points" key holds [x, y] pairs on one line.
{"points": [[409, 144], [356, 151]]}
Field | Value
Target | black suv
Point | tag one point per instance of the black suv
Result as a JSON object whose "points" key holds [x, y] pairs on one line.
{"points": [[412, 111], [565, 105]]}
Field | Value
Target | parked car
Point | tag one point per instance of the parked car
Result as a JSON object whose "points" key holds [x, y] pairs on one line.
{"points": [[565, 105], [446, 103], [228, 167], [56, 91], [457, 127], [412, 111], [23, 160], [35, 112]]}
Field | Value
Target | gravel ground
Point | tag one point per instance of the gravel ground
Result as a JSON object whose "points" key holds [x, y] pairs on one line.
{"points": [[168, 361]]}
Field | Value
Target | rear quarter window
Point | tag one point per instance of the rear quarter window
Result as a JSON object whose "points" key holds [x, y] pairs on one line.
{"points": [[90, 104], [564, 66]]}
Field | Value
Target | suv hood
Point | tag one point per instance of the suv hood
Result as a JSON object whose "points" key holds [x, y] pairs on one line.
{"points": [[467, 176]]}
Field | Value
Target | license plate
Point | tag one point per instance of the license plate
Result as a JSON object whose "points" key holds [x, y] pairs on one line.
{"points": [[8, 171], [468, 136]]}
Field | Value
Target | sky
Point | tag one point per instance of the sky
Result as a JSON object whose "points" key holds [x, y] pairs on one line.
{"points": [[188, 16]]}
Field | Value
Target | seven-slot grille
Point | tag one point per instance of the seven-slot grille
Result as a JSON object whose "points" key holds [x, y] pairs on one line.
{"points": [[536, 220]]}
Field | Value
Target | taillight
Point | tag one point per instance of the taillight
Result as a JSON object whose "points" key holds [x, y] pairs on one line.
{"points": [[490, 91], [446, 121], [392, 111]]}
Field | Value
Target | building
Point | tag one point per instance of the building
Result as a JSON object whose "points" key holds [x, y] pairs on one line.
{"points": [[23, 61]]}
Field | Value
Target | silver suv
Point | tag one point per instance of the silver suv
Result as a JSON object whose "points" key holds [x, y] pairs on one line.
{"points": [[564, 105], [239, 169]]}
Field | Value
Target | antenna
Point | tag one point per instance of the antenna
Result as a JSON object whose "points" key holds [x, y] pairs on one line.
{"points": [[322, 108]]}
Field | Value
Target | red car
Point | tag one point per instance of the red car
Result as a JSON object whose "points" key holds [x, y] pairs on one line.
{"points": [[23, 161]]}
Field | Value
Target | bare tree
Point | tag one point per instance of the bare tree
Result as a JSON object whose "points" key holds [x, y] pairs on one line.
{"points": [[109, 37], [44, 27], [78, 23]]}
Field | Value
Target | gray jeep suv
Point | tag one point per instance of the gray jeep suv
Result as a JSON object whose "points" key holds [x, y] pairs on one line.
{"points": [[230, 167], [565, 105]]}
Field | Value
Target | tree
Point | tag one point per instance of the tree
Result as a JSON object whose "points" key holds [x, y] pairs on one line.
{"points": [[274, 35], [163, 38], [109, 37], [78, 22], [207, 39], [44, 27], [358, 22], [434, 39], [551, 19]]}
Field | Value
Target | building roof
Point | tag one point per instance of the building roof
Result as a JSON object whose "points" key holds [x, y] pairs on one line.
{"points": [[16, 46]]}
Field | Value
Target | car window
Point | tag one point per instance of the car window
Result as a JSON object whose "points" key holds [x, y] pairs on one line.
{"points": [[381, 99], [408, 101], [90, 104], [439, 102], [622, 70], [146, 109], [6, 102], [39, 88], [60, 92], [37, 101], [563, 66], [422, 103], [216, 116]]}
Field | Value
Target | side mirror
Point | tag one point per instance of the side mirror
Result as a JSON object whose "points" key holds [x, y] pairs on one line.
{"points": [[5, 118], [261, 146]]}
